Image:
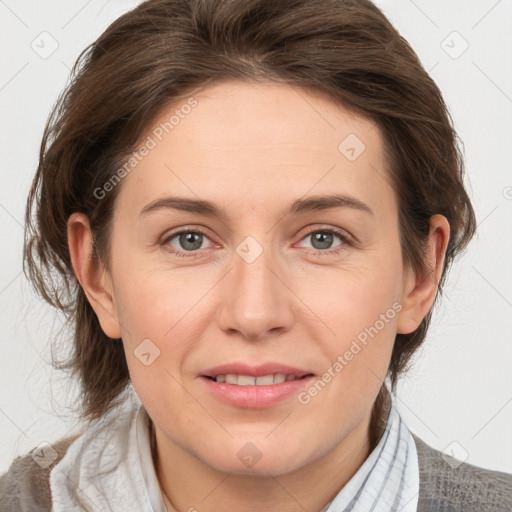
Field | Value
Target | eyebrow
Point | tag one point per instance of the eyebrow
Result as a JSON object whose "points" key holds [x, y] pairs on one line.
{"points": [[303, 205]]}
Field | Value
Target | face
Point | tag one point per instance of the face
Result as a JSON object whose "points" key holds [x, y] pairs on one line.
{"points": [[271, 282]]}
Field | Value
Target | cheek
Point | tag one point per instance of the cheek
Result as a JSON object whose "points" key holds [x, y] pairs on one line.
{"points": [[163, 319], [147, 311], [350, 300], [153, 317], [152, 304], [360, 309]]}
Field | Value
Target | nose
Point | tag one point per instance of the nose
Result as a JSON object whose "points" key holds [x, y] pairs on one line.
{"points": [[256, 301]]}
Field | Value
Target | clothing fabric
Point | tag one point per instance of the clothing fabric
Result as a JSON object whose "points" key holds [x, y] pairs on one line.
{"points": [[388, 480], [109, 467]]}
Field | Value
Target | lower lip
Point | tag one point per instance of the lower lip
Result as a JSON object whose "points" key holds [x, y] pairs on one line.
{"points": [[255, 397]]}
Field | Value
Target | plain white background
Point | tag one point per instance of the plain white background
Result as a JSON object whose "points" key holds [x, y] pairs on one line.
{"points": [[458, 395]]}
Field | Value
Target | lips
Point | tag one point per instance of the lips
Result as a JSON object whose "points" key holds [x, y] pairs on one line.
{"points": [[262, 386]]}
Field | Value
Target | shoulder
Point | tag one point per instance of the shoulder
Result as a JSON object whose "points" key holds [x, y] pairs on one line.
{"points": [[26, 484], [448, 485]]}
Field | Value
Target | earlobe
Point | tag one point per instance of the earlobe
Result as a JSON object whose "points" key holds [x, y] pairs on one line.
{"points": [[91, 274], [419, 291]]}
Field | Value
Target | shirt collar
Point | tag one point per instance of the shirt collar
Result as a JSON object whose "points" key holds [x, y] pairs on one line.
{"points": [[388, 480]]}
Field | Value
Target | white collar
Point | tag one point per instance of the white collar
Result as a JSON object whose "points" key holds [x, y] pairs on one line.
{"points": [[110, 467], [388, 480], [106, 469]]}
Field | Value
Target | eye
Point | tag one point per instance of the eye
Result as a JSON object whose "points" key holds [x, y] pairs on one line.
{"points": [[323, 239], [185, 241], [189, 242]]}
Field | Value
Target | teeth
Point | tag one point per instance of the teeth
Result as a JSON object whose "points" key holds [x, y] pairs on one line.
{"points": [[248, 380], [265, 380], [279, 377]]}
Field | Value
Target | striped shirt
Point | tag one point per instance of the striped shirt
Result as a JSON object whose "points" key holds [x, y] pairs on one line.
{"points": [[388, 480]]}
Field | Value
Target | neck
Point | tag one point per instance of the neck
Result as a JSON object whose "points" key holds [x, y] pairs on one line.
{"points": [[188, 483]]}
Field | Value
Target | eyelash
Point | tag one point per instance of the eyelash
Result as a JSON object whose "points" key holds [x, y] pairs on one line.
{"points": [[316, 252]]}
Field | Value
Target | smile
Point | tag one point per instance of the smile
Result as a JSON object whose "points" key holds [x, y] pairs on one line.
{"points": [[249, 380]]}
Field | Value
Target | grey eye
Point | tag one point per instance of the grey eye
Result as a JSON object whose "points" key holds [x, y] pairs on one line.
{"points": [[321, 239], [189, 240]]}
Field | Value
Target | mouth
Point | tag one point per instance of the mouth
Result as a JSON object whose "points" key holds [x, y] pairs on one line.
{"points": [[250, 380], [255, 387]]}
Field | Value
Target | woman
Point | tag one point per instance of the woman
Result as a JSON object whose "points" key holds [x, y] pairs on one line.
{"points": [[250, 208]]}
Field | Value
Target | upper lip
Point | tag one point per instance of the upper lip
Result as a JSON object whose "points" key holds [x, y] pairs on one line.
{"points": [[255, 371]]}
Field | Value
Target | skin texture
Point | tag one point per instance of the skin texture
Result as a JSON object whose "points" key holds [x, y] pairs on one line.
{"points": [[254, 149]]}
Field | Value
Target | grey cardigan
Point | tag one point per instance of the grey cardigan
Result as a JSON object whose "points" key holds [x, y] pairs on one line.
{"points": [[443, 487]]}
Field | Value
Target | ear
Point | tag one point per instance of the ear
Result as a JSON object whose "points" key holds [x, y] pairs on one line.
{"points": [[420, 291], [91, 274]]}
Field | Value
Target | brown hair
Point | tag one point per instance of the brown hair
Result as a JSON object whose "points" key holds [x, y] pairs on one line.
{"points": [[164, 49]]}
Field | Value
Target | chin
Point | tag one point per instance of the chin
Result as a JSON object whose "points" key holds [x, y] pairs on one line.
{"points": [[256, 458]]}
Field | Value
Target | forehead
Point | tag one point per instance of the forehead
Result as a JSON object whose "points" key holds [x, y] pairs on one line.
{"points": [[252, 144]]}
